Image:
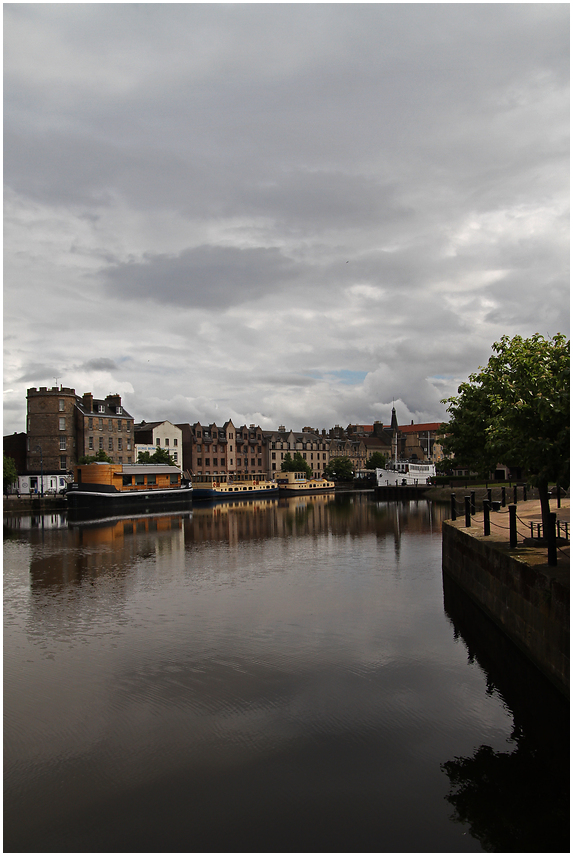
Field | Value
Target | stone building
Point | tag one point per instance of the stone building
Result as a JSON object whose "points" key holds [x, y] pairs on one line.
{"points": [[61, 427], [313, 447]]}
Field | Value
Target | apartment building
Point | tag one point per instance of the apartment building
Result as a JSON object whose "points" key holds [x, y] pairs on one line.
{"points": [[213, 449], [104, 425], [353, 449], [313, 447], [61, 427]]}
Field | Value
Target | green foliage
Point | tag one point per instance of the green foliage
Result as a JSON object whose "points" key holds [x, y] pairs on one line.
{"points": [[515, 411], [10, 472], [160, 456], [296, 465], [340, 469], [376, 459], [100, 457]]}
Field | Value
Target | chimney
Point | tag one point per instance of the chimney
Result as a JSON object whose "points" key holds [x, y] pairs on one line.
{"points": [[113, 400], [88, 401]]}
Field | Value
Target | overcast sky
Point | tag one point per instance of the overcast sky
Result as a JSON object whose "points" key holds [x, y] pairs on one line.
{"points": [[280, 214]]}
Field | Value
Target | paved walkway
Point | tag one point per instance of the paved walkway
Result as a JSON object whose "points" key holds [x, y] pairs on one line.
{"points": [[528, 552]]}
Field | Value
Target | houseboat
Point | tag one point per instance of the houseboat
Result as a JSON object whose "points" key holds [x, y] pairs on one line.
{"points": [[404, 474], [123, 487], [228, 486], [290, 484]]}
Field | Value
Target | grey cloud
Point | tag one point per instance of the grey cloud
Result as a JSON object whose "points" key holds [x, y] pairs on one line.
{"points": [[39, 373], [204, 277], [99, 364]]}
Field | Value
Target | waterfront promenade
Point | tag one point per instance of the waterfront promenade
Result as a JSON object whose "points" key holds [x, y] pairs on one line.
{"points": [[516, 587]]}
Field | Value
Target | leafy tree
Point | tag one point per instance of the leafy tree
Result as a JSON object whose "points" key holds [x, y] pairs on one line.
{"points": [[296, 465], [516, 411], [99, 458], [160, 456], [340, 468], [376, 459], [10, 472]]}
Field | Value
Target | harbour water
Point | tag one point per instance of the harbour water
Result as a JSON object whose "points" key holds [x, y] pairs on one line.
{"points": [[273, 675]]}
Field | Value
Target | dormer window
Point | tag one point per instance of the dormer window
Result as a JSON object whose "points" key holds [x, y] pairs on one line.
{"points": [[101, 408], [118, 410]]}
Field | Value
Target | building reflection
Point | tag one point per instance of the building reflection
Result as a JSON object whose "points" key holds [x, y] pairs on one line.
{"points": [[492, 791], [66, 551]]}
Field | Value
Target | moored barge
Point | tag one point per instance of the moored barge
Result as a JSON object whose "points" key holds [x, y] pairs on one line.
{"points": [[119, 487], [293, 484]]}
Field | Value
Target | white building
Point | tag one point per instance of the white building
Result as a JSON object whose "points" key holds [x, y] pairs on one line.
{"points": [[150, 436]]}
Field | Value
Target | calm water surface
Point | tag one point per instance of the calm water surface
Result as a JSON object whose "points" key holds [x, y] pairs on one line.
{"points": [[266, 676]]}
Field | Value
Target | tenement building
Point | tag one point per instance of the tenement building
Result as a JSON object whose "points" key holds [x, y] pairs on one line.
{"points": [[62, 427], [313, 447]]}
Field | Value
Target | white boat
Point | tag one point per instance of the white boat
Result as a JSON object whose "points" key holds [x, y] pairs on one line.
{"points": [[403, 473]]}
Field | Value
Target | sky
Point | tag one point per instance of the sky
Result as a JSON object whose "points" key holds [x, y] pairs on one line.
{"points": [[280, 214]]}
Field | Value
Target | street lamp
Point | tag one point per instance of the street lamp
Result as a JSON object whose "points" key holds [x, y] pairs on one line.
{"points": [[39, 449]]}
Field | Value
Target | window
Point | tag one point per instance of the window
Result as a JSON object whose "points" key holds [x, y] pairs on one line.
{"points": [[61, 404], [129, 445], [118, 410], [101, 425], [100, 408], [252, 462], [259, 462], [199, 462], [127, 480], [152, 479], [175, 441], [158, 442], [167, 441], [119, 424], [174, 456], [215, 462], [101, 442], [62, 443], [128, 426], [110, 444], [90, 422], [110, 424], [62, 423], [90, 442], [119, 444], [173, 478], [273, 455], [231, 462], [63, 462], [139, 480], [207, 462]]}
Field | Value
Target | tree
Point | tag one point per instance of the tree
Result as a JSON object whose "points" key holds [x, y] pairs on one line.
{"points": [[340, 468], [100, 457], [296, 465], [10, 472], [516, 411], [376, 459], [160, 456]]}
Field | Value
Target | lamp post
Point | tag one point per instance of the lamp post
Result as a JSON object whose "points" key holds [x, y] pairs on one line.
{"points": [[39, 449]]}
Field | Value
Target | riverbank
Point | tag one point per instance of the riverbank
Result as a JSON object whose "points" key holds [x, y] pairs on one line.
{"points": [[516, 588]]}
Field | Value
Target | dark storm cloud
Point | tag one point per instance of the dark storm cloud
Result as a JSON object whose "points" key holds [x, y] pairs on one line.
{"points": [[204, 277]]}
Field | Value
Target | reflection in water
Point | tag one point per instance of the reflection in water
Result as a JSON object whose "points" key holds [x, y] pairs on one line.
{"points": [[268, 675], [515, 801]]}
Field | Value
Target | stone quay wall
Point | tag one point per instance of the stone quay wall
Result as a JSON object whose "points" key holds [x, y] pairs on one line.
{"points": [[528, 601]]}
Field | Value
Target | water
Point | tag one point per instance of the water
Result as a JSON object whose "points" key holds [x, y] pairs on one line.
{"points": [[281, 675]]}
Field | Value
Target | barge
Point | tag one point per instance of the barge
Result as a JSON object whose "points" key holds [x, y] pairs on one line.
{"points": [[293, 484], [126, 487]]}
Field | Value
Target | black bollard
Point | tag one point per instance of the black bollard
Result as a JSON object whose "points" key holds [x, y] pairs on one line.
{"points": [[525, 493], [486, 528], [473, 501], [551, 540], [467, 504], [503, 496], [513, 527], [489, 494], [515, 494], [453, 505]]}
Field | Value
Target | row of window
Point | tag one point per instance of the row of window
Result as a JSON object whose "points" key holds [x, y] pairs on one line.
{"points": [[147, 479], [241, 462], [166, 442], [109, 444], [111, 423], [274, 456]]}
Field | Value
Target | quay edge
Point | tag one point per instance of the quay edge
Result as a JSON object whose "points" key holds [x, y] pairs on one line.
{"points": [[518, 590]]}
